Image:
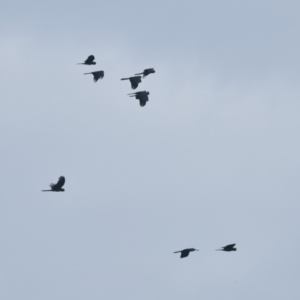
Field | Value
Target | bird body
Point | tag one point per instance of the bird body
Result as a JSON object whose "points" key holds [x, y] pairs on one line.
{"points": [[146, 72], [135, 80], [186, 252], [97, 75], [142, 96], [228, 248], [89, 61], [58, 186]]}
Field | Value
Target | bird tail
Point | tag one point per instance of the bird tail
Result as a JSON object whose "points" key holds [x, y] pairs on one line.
{"points": [[86, 73], [177, 251], [124, 78], [80, 64], [219, 249], [46, 190], [139, 74]]}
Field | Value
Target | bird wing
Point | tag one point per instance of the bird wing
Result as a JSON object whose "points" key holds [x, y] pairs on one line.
{"points": [[184, 254], [98, 75], [134, 85], [90, 59], [230, 246], [148, 71], [142, 103], [135, 81], [143, 97], [61, 181]]}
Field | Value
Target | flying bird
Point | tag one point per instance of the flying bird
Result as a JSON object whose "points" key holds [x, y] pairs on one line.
{"points": [[146, 72], [97, 75], [58, 186], [186, 252], [134, 81], [227, 248], [89, 61], [142, 96]]}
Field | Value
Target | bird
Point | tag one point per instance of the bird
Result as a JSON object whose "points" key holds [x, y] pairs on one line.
{"points": [[186, 252], [134, 81], [89, 61], [142, 96], [227, 248], [97, 75], [146, 72], [58, 186]]}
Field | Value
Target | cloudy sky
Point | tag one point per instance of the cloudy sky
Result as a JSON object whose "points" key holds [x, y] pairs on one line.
{"points": [[212, 159]]}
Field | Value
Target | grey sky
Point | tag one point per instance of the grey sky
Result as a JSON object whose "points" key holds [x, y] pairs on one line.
{"points": [[212, 159]]}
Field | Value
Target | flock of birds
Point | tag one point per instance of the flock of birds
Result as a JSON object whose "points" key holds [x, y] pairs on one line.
{"points": [[143, 97], [186, 252]]}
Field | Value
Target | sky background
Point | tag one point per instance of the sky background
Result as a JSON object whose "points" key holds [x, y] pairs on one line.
{"points": [[212, 159]]}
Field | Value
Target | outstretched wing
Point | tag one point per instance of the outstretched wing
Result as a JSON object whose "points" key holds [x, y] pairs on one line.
{"points": [[60, 183], [143, 97], [98, 75], [90, 59], [135, 81], [184, 253], [230, 246], [142, 103], [148, 71]]}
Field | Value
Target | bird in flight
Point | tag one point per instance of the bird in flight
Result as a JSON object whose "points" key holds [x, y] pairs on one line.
{"points": [[97, 75], [142, 96], [186, 252], [146, 72], [227, 248], [58, 186], [134, 81], [89, 61]]}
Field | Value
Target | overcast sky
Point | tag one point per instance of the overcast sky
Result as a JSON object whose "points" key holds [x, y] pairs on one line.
{"points": [[212, 159]]}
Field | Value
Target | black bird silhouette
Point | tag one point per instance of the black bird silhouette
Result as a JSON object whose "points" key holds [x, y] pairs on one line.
{"points": [[134, 81], [227, 248], [142, 96], [57, 187], [97, 75], [146, 72], [186, 252], [89, 61]]}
